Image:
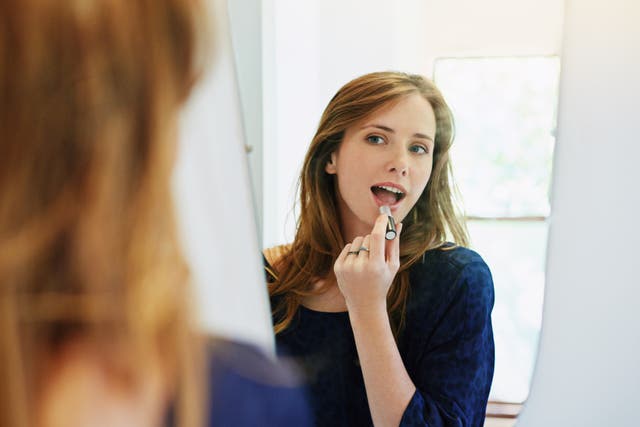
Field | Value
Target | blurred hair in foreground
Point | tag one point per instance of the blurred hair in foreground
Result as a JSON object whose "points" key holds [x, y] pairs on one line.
{"points": [[89, 260]]}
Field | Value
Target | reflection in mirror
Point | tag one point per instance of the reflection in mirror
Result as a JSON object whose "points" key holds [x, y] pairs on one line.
{"points": [[387, 323], [304, 63]]}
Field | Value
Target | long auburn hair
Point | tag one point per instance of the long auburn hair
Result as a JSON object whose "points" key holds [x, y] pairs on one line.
{"points": [[89, 94], [318, 239]]}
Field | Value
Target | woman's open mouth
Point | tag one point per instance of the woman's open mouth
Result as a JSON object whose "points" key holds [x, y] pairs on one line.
{"points": [[387, 195]]}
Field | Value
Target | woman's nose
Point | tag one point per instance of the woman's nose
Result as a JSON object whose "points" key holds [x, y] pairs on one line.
{"points": [[399, 163]]}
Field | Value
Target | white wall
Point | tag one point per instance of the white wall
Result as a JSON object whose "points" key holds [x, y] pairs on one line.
{"points": [[312, 48], [588, 370]]}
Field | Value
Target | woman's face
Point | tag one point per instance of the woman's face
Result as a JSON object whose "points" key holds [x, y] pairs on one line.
{"points": [[386, 159]]}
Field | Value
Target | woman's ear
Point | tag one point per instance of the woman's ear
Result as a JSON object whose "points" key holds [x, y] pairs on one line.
{"points": [[330, 167]]}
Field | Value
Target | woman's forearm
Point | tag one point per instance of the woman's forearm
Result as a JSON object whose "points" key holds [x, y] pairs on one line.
{"points": [[388, 385]]}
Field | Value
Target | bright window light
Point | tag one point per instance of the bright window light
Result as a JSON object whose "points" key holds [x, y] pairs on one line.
{"points": [[505, 114]]}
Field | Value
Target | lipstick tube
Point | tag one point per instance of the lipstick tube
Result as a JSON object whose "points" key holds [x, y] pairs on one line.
{"points": [[391, 232]]}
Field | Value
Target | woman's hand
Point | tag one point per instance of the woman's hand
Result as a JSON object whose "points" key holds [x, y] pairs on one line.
{"points": [[364, 278]]}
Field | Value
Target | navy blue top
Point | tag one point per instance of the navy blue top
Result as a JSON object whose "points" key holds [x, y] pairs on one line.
{"points": [[447, 348], [248, 389]]}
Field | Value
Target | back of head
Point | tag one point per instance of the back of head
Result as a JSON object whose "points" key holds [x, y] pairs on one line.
{"points": [[89, 91]]}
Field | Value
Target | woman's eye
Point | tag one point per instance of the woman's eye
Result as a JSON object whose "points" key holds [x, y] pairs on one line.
{"points": [[419, 149], [375, 139]]}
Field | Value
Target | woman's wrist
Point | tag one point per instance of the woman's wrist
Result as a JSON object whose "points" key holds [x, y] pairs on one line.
{"points": [[367, 310]]}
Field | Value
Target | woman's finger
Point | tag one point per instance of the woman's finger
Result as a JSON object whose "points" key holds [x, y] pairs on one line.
{"points": [[376, 242], [355, 246], [365, 249], [343, 255], [393, 248]]}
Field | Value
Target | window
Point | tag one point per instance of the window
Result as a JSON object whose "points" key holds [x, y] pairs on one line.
{"points": [[505, 114]]}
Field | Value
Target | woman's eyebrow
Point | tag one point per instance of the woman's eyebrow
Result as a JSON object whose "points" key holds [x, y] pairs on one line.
{"points": [[388, 129]]}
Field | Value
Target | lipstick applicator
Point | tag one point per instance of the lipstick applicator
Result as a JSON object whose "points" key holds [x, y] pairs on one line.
{"points": [[391, 233]]}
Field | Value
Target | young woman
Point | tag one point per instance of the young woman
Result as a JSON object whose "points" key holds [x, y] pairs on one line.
{"points": [[95, 321], [388, 332]]}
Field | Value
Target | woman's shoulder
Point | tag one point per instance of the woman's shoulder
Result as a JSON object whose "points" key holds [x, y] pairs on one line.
{"points": [[248, 387], [448, 273], [248, 364], [448, 261], [271, 256], [274, 253]]}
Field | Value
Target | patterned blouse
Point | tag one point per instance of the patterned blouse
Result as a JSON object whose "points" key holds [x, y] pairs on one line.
{"points": [[447, 347]]}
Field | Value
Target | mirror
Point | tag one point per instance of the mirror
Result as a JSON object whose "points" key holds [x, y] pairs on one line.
{"points": [[511, 65]]}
